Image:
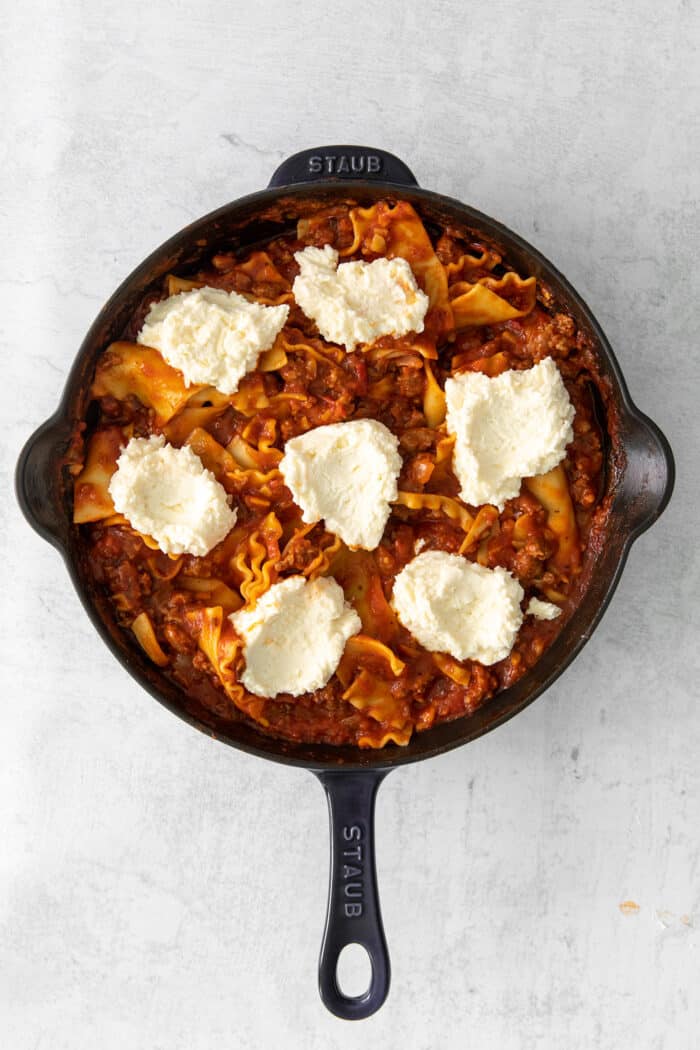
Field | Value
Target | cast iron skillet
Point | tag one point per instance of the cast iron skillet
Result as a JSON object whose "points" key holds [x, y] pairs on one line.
{"points": [[639, 483]]}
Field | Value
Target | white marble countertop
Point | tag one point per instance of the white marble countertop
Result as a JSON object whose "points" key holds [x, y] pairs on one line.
{"points": [[159, 890]]}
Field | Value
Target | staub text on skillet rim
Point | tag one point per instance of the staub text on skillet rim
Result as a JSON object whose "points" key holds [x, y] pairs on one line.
{"points": [[642, 481]]}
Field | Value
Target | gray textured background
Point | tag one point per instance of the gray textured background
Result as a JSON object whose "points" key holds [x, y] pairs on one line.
{"points": [[160, 891]]}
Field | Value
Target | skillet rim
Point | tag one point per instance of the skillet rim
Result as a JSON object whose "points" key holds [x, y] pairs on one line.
{"points": [[636, 429]]}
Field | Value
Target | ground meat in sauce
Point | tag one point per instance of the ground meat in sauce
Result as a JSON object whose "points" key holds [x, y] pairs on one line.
{"points": [[318, 384]]}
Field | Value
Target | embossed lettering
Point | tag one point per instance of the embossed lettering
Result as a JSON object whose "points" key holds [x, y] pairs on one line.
{"points": [[354, 889], [344, 164]]}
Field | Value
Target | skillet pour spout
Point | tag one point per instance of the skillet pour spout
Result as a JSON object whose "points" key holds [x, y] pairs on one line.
{"points": [[639, 487]]}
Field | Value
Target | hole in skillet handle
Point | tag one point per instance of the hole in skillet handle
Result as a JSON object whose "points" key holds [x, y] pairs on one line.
{"points": [[354, 916], [328, 163], [354, 970]]}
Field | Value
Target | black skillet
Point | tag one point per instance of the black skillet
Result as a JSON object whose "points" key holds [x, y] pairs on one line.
{"points": [[639, 484]]}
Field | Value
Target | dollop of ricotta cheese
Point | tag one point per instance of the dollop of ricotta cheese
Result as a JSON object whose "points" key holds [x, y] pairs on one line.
{"points": [[542, 610], [357, 302], [166, 493], [451, 605], [514, 426], [212, 336], [346, 475], [295, 636]]}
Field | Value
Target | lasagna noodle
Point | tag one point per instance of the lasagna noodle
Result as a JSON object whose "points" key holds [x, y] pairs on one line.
{"points": [[213, 591], [130, 369], [321, 563], [261, 271], [201, 410], [372, 695], [265, 284], [273, 359], [396, 230], [146, 637], [437, 503], [361, 650], [213, 455], [382, 389], [326, 546], [357, 573], [402, 350], [491, 366], [394, 736], [452, 668], [255, 468], [91, 498], [175, 285], [223, 649], [473, 264], [162, 567], [552, 491], [434, 403], [250, 397], [293, 341], [256, 560], [485, 519], [492, 301], [254, 448]]}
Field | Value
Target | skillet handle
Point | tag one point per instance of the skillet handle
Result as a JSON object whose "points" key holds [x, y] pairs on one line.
{"points": [[650, 472], [38, 480], [342, 162], [353, 915]]}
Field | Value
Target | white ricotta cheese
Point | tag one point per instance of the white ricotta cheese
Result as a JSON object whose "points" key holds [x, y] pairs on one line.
{"points": [[357, 302], [346, 475], [451, 605], [212, 336], [295, 636], [542, 610], [167, 494], [511, 427]]}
